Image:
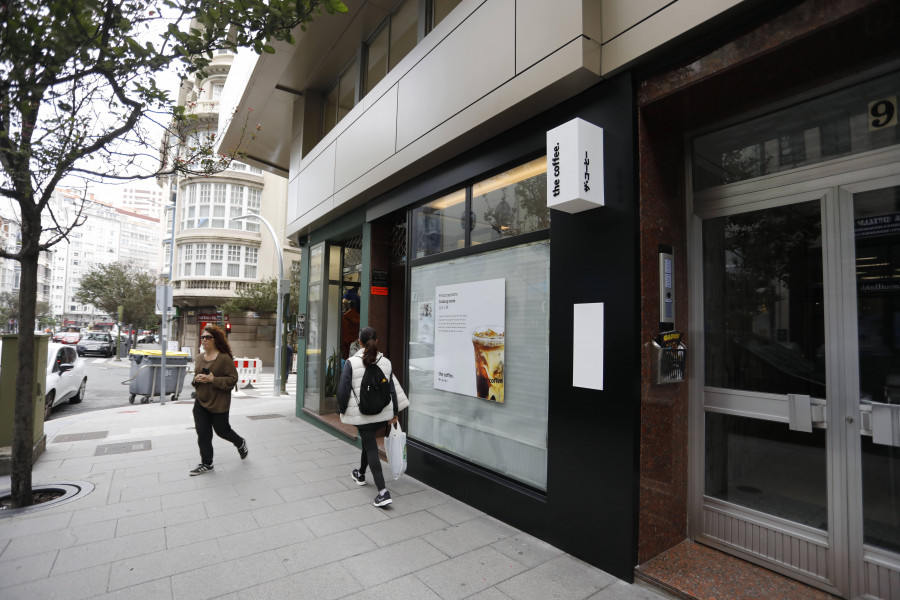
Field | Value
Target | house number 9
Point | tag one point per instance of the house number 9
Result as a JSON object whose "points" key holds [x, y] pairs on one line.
{"points": [[883, 113]]}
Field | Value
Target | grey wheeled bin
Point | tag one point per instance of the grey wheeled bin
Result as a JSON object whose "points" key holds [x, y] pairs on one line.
{"points": [[144, 380]]}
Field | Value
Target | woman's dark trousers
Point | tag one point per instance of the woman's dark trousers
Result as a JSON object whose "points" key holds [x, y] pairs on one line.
{"points": [[369, 456], [205, 423]]}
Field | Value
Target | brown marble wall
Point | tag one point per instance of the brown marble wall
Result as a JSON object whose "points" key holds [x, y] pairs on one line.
{"points": [[794, 49]]}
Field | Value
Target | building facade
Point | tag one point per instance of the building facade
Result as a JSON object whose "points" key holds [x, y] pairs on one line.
{"points": [[108, 234], [11, 271], [217, 257], [142, 199], [750, 166]]}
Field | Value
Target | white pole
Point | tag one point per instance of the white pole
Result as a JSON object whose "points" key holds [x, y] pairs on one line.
{"points": [[165, 306], [279, 293]]}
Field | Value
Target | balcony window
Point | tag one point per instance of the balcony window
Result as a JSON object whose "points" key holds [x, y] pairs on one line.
{"points": [[212, 260], [251, 256], [214, 205]]}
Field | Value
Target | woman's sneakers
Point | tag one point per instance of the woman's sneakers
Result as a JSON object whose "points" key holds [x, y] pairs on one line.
{"points": [[383, 499], [201, 469], [242, 449], [358, 477]]}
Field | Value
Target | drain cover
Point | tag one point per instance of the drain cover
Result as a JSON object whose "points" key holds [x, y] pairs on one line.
{"points": [[80, 437], [123, 448], [256, 417]]}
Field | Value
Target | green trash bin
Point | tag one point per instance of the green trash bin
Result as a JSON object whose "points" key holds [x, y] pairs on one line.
{"points": [[144, 381]]}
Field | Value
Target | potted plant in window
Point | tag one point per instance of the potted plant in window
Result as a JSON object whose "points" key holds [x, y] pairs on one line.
{"points": [[332, 376]]}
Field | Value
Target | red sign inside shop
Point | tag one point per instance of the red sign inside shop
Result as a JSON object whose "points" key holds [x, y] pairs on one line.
{"points": [[379, 283]]}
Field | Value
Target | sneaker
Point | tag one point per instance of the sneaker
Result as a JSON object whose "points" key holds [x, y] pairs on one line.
{"points": [[383, 499], [242, 449], [358, 477], [201, 469]]}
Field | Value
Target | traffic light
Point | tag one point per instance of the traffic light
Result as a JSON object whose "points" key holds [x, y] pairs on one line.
{"points": [[228, 328], [220, 316]]}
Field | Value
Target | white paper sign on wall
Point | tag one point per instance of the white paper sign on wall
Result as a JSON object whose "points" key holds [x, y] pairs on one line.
{"points": [[575, 166]]}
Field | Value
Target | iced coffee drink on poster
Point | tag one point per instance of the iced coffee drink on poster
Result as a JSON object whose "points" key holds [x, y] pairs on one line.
{"points": [[489, 344]]}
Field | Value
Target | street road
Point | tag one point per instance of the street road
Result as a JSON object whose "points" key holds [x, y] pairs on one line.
{"points": [[105, 388]]}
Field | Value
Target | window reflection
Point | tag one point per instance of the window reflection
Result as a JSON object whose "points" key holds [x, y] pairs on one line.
{"points": [[849, 121], [503, 206], [763, 306], [440, 9], [377, 58], [404, 31], [511, 203], [440, 224]]}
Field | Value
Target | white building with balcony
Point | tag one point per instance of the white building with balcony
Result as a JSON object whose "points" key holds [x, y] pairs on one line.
{"points": [[216, 257]]}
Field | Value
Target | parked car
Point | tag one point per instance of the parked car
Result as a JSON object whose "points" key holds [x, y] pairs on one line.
{"points": [[70, 337], [96, 343], [66, 376], [58, 336], [147, 339]]}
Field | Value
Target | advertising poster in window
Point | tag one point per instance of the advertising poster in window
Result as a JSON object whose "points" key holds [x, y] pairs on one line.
{"points": [[426, 322], [470, 337]]}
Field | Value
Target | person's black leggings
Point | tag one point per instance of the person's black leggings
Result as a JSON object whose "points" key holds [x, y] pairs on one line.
{"points": [[369, 456], [205, 423]]}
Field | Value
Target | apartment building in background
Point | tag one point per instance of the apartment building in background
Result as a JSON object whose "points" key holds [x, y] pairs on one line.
{"points": [[108, 234]]}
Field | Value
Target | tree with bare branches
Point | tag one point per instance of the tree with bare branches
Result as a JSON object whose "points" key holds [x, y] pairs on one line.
{"points": [[79, 98]]}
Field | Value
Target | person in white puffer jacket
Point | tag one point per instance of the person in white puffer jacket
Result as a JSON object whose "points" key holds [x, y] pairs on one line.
{"points": [[369, 425]]}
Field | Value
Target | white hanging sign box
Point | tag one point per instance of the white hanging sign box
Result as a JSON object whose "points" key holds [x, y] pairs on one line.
{"points": [[575, 166]]}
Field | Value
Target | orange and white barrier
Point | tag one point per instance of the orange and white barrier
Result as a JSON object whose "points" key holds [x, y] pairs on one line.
{"points": [[248, 371]]}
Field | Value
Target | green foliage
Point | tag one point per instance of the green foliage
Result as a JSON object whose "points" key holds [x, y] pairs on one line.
{"points": [[118, 284], [259, 297], [9, 309]]}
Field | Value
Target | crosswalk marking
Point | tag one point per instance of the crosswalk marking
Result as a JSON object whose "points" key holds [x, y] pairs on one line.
{"points": [[267, 382]]}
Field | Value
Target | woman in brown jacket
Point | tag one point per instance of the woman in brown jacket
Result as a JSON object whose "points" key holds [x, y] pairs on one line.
{"points": [[214, 377]]}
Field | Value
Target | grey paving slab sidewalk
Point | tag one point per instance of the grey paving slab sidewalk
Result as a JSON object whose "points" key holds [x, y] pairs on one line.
{"points": [[288, 522]]}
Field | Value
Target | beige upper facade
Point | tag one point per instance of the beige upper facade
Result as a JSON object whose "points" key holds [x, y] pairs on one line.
{"points": [[486, 66]]}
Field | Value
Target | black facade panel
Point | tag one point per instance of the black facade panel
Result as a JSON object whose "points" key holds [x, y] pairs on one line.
{"points": [[590, 507]]}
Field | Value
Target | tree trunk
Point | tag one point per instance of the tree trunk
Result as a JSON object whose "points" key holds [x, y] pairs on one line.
{"points": [[23, 420]]}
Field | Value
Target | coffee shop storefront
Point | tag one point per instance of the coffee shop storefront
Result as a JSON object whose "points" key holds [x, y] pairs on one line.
{"points": [[464, 272]]}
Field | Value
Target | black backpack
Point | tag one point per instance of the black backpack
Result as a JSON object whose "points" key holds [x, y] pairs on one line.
{"points": [[374, 391]]}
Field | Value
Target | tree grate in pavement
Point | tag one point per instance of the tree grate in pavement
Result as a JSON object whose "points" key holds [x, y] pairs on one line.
{"points": [[123, 448], [256, 417], [80, 437]]}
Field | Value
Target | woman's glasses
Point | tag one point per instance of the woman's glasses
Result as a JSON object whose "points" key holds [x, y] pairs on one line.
{"points": [[206, 337]]}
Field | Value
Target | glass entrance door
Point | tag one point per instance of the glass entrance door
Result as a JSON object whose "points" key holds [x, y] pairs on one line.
{"points": [[800, 380], [873, 416], [766, 384]]}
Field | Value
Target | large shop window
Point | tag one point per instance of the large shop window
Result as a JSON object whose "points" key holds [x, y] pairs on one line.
{"points": [[479, 325], [501, 207], [507, 434]]}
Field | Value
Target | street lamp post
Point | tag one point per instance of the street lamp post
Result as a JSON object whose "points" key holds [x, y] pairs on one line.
{"points": [[167, 295], [280, 294]]}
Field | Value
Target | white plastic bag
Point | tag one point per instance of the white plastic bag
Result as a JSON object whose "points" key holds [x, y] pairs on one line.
{"points": [[395, 448]]}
